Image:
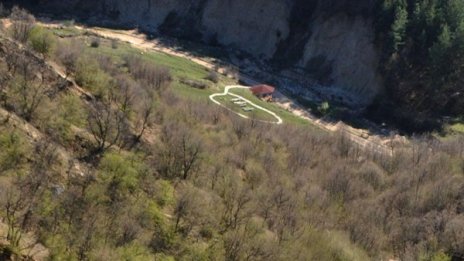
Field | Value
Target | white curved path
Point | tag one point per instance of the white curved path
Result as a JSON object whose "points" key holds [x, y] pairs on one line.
{"points": [[226, 92]]}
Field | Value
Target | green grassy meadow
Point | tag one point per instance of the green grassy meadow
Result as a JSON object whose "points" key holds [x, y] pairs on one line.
{"points": [[181, 68]]}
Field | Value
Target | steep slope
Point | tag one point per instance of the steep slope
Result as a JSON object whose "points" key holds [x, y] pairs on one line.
{"points": [[330, 40]]}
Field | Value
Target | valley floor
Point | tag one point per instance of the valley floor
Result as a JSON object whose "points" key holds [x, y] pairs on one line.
{"points": [[364, 139]]}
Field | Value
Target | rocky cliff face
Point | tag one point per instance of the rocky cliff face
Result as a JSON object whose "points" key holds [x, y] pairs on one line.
{"points": [[342, 47], [330, 39], [254, 26]]}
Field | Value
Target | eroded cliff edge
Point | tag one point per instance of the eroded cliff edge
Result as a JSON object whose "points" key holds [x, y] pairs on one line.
{"points": [[332, 41]]}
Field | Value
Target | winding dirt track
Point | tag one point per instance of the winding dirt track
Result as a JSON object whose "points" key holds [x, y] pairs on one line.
{"points": [[226, 92]]}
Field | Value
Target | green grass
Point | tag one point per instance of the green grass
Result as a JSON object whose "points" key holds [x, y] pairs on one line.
{"points": [[67, 32], [255, 114], [193, 93], [451, 130], [183, 68], [287, 117], [179, 66], [457, 127]]}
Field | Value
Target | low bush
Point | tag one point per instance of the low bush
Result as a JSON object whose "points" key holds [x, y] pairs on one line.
{"points": [[68, 23], [22, 24], [14, 151], [95, 42], [70, 113], [195, 83], [68, 54], [42, 40], [91, 76], [20, 14], [156, 77], [213, 76], [114, 44]]}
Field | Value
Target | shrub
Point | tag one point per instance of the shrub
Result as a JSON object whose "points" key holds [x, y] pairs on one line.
{"points": [[90, 76], [163, 239], [123, 172], [69, 23], [13, 152], [107, 64], [41, 40], [324, 108], [19, 14], [134, 251], [68, 54], [114, 44], [232, 72], [213, 76], [156, 77], [194, 83], [207, 232], [95, 42], [71, 113], [165, 193], [19, 31], [22, 24], [28, 91]]}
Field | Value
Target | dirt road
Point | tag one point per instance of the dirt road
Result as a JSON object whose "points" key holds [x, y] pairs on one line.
{"points": [[360, 137]]}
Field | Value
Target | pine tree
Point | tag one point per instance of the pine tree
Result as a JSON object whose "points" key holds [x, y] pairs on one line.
{"points": [[439, 50], [398, 29]]}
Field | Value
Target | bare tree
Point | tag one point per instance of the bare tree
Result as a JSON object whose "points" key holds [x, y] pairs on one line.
{"points": [[13, 205], [86, 237], [236, 201], [13, 60], [136, 103], [4, 79], [190, 154], [192, 209], [156, 77], [22, 24], [34, 185], [68, 54], [248, 243], [123, 94], [181, 153], [20, 196], [30, 88], [106, 124], [145, 111], [240, 127]]}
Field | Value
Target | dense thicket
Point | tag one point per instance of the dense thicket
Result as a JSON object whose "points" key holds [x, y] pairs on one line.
{"points": [[422, 43]]}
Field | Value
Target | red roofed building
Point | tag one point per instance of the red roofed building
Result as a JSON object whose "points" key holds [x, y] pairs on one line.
{"points": [[263, 91]]}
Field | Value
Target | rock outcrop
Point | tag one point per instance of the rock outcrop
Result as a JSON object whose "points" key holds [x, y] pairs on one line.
{"points": [[254, 26], [345, 45], [332, 40]]}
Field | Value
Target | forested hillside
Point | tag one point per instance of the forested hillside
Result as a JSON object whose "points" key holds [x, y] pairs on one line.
{"points": [[422, 43], [113, 153]]}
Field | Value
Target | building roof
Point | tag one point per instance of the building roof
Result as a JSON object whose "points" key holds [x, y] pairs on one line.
{"points": [[262, 89]]}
